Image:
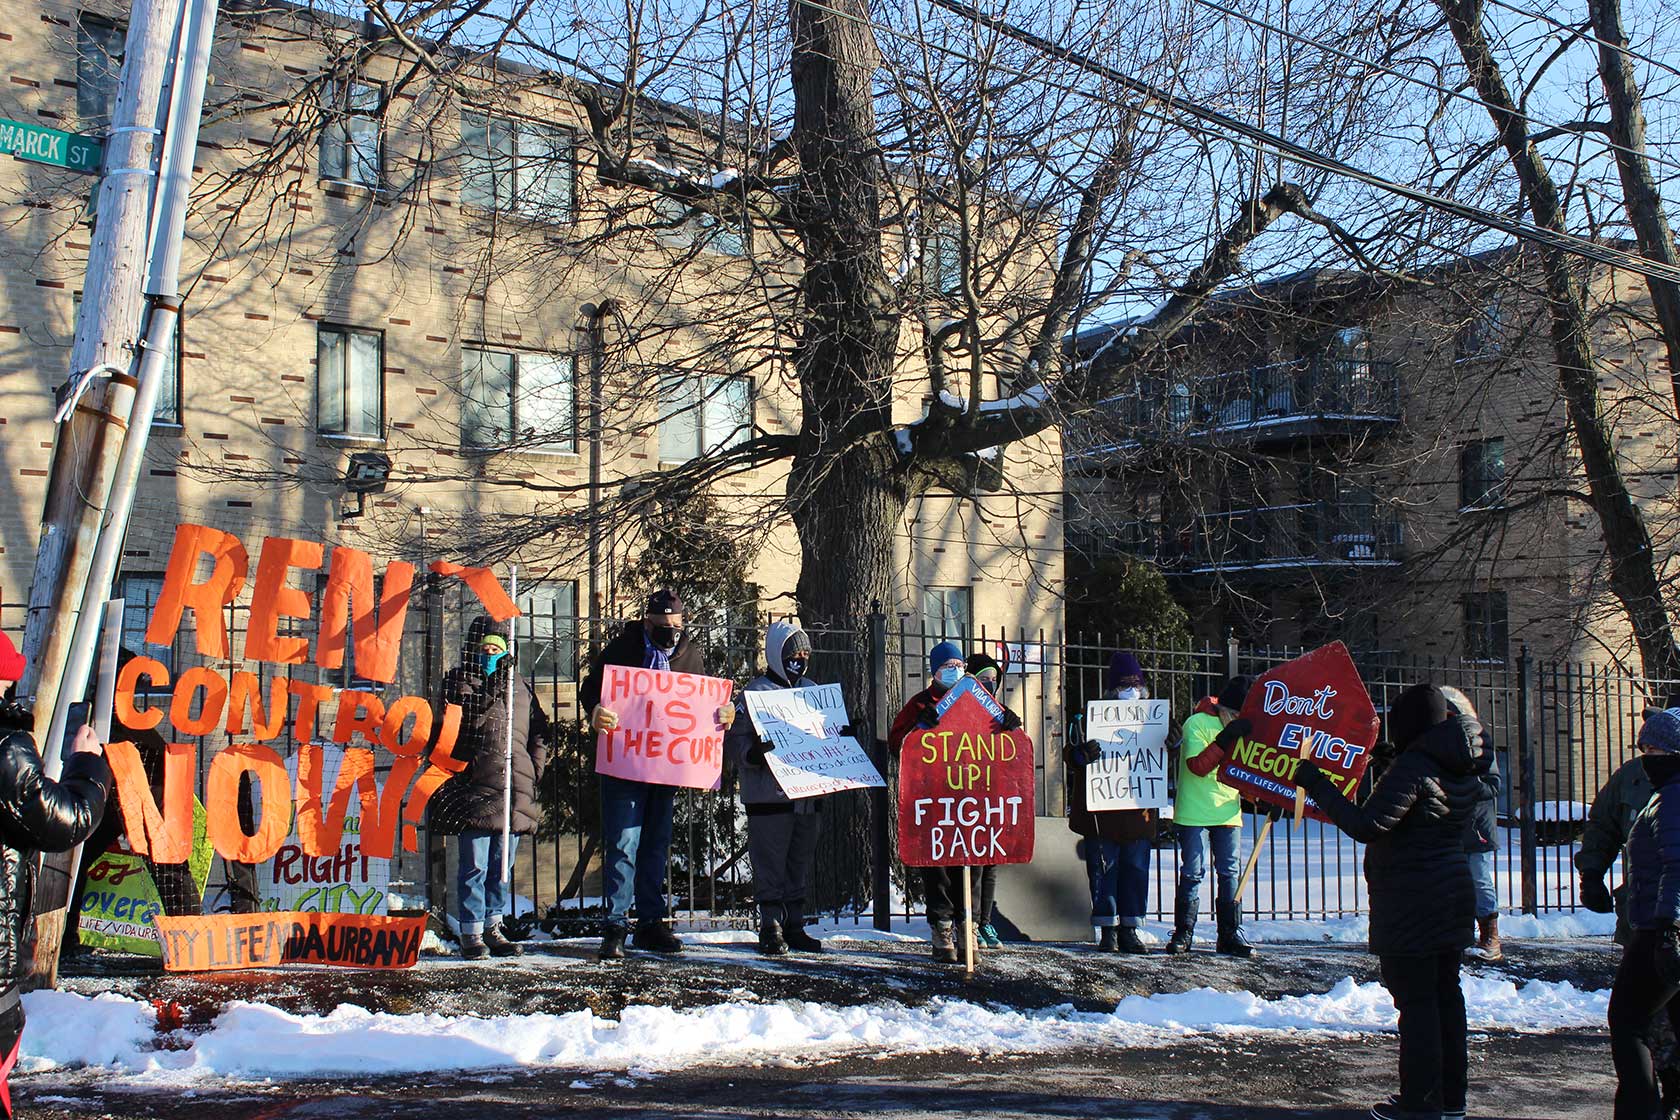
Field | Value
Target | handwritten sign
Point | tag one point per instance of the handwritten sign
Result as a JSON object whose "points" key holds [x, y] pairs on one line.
{"points": [[811, 757], [1316, 702], [347, 881], [965, 791], [668, 732], [122, 898], [1132, 772], [217, 942]]}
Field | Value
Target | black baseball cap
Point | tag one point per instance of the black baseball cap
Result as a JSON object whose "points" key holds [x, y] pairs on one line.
{"points": [[664, 601]]}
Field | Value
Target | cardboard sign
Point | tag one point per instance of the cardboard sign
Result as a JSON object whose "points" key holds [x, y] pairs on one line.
{"points": [[811, 757], [222, 941], [668, 731], [1316, 702], [965, 790], [972, 688], [122, 899], [1132, 772]]}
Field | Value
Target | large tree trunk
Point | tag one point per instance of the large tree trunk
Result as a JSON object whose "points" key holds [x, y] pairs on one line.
{"points": [[1627, 540], [1639, 186]]}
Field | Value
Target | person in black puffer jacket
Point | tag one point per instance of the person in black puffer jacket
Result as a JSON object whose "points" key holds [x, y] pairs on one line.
{"points": [[1423, 903], [37, 815], [474, 805], [1649, 975]]}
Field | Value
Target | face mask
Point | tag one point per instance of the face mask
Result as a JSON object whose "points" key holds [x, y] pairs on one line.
{"points": [[487, 662], [1660, 767], [949, 676], [1133, 693], [795, 667], [665, 637]]}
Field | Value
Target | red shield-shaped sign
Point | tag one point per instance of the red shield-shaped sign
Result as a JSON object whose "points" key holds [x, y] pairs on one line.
{"points": [[965, 791], [1316, 701]]}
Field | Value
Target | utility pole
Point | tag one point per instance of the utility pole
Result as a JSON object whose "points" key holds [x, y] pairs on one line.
{"points": [[106, 405]]}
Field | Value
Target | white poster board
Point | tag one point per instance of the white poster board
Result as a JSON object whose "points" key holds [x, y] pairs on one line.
{"points": [[811, 757], [345, 882], [1132, 773]]}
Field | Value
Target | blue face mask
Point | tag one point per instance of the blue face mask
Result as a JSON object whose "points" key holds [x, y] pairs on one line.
{"points": [[949, 676], [487, 662]]}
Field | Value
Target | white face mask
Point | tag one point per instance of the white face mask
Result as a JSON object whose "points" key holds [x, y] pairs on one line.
{"points": [[1133, 693]]}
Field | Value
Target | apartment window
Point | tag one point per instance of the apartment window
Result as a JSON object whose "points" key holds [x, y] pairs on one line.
{"points": [[139, 593], [948, 612], [516, 165], [1484, 336], [522, 398], [942, 259], [350, 382], [1481, 474], [700, 415], [350, 140], [546, 633], [167, 409], [99, 55], [1487, 634]]}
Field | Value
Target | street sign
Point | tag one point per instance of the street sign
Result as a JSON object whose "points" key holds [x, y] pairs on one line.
{"points": [[50, 146]]}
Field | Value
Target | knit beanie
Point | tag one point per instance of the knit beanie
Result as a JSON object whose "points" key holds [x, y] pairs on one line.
{"points": [[1661, 730], [1123, 670], [941, 653], [1415, 711], [1235, 692]]}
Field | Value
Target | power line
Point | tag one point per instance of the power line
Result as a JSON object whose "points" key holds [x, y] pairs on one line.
{"points": [[1593, 39]]}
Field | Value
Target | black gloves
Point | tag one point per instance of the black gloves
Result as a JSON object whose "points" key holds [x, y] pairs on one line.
{"points": [[1668, 956], [846, 732], [756, 752], [1231, 732], [1011, 721], [1595, 896], [1307, 775], [1088, 752]]}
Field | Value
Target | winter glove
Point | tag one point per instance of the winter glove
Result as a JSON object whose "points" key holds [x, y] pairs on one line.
{"points": [[756, 752], [1231, 732], [1011, 721], [1307, 775], [846, 732], [1667, 956], [1595, 896], [1090, 752]]}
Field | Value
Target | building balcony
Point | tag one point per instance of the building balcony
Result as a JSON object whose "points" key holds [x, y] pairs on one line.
{"points": [[1324, 534]]}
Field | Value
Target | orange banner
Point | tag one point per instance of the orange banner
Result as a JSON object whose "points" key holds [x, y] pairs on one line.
{"points": [[217, 942]]}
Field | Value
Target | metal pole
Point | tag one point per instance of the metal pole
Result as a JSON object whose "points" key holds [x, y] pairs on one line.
{"points": [[880, 799], [1526, 742], [507, 769]]}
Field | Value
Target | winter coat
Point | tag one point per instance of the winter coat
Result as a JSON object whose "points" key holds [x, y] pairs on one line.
{"points": [[1121, 826], [473, 800], [760, 792], [37, 815], [1610, 820], [628, 648], [917, 711], [1422, 899], [1653, 860], [1482, 831]]}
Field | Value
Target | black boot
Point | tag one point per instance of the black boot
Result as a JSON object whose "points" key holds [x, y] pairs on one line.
{"points": [[612, 945], [656, 937], [1231, 940], [473, 947], [1127, 941], [1184, 925], [770, 941], [1108, 940], [499, 944], [793, 930]]}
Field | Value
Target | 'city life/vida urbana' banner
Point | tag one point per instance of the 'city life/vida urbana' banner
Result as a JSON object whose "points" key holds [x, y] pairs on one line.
{"points": [[208, 570]]}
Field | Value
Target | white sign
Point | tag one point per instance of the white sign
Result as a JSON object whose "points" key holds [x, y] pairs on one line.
{"points": [[346, 882], [810, 756], [1132, 773]]}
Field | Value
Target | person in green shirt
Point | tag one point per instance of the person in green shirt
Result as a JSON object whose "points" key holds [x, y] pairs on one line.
{"points": [[1208, 814]]}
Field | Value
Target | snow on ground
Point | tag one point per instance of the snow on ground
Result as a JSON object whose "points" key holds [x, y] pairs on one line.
{"points": [[256, 1041]]}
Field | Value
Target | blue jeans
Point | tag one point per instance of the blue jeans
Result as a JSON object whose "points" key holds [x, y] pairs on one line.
{"points": [[1192, 860], [1119, 880], [1481, 874], [636, 843], [479, 886]]}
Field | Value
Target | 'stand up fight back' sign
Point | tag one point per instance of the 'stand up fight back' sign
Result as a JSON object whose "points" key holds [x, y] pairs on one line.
{"points": [[1317, 704], [668, 731], [965, 791]]}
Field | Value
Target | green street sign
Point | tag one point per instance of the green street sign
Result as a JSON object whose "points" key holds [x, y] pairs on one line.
{"points": [[50, 146]]}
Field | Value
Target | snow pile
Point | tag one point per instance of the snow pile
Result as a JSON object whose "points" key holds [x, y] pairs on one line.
{"points": [[250, 1040]]}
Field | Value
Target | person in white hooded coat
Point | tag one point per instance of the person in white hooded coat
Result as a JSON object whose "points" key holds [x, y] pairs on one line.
{"points": [[781, 833]]}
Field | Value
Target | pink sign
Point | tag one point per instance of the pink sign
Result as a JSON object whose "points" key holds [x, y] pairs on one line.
{"points": [[668, 731]]}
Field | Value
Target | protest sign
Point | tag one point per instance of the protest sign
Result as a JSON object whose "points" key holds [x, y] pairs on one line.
{"points": [[222, 941], [1315, 703], [809, 756], [965, 788], [1132, 772], [347, 881], [668, 731], [122, 899]]}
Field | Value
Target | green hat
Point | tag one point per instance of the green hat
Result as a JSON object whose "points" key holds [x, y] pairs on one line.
{"points": [[494, 639]]}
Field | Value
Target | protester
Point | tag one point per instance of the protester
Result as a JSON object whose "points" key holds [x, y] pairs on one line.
{"points": [[1208, 814], [987, 670], [1116, 843], [177, 890], [474, 805], [37, 815], [1423, 900], [1480, 843], [1609, 823], [636, 816], [781, 833], [1649, 975], [941, 885]]}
